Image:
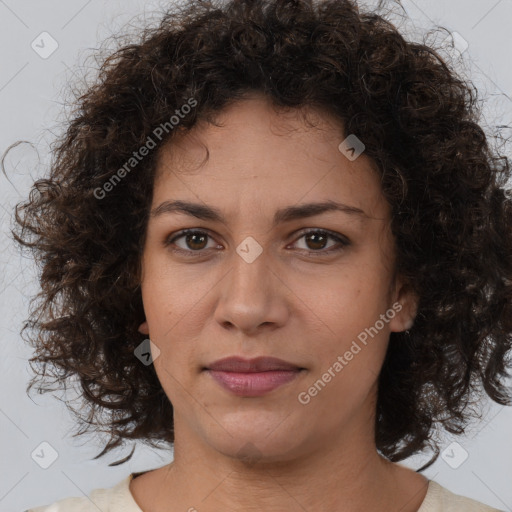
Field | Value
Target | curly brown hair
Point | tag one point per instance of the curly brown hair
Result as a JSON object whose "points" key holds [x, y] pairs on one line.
{"points": [[419, 121]]}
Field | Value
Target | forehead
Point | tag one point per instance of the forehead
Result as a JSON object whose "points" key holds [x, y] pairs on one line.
{"points": [[257, 155]]}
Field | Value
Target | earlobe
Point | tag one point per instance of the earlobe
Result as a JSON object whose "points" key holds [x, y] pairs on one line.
{"points": [[144, 328], [404, 319], [408, 323]]}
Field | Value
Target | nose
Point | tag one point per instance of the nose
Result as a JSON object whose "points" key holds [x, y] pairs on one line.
{"points": [[253, 297]]}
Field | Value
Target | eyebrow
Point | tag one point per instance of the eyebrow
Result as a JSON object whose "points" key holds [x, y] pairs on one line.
{"points": [[301, 211]]}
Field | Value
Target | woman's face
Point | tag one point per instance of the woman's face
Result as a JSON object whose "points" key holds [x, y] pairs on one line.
{"points": [[247, 286]]}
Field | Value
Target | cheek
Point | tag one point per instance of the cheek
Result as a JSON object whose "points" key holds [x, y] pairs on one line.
{"points": [[163, 307], [175, 305], [344, 320], [347, 358], [344, 303], [169, 294]]}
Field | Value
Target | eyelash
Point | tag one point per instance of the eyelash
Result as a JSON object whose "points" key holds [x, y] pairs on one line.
{"points": [[343, 241]]}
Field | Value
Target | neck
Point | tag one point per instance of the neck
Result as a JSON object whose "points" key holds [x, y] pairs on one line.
{"points": [[348, 477]]}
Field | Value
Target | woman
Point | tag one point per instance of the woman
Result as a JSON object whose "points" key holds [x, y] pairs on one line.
{"points": [[284, 220]]}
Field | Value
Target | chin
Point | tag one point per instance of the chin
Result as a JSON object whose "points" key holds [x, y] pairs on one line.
{"points": [[255, 453], [256, 439]]}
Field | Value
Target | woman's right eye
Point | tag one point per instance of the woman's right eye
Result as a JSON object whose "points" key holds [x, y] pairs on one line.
{"points": [[194, 241]]}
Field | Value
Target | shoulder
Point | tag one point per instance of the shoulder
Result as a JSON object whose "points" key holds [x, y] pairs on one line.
{"points": [[440, 499], [112, 499]]}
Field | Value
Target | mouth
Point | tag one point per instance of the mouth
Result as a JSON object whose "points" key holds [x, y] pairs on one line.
{"points": [[252, 377]]}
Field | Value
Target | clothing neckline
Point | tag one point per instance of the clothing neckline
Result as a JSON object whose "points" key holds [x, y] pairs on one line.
{"points": [[433, 490]]}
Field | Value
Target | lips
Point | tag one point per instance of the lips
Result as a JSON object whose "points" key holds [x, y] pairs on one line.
{"points": [[258, 364], [252, 377]]}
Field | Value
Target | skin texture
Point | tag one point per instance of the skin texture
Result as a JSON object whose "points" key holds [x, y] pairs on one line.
{"points": [[272, 452]]}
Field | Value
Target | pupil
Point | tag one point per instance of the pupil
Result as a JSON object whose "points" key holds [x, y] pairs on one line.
{"points": [[192, 237], [317, 236]]}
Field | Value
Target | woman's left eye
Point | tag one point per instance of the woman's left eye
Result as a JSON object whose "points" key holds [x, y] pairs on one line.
{"points": [[319, 237], [314, 239]]}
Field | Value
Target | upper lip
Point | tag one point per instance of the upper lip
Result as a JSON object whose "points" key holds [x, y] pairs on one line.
{"points": [[258, 364]]}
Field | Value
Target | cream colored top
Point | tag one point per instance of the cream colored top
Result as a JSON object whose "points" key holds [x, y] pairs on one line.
{"points": [[120, 499]]}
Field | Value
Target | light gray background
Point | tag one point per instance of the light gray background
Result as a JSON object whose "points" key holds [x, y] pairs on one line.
{"points": [[32, 91]]}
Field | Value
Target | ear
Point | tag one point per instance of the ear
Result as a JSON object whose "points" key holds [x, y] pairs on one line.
{"points": [[144, 328], [405, 303]]}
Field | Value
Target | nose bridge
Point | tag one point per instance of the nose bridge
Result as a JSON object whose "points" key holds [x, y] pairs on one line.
{"points": [[249, 297], [249, 268]]}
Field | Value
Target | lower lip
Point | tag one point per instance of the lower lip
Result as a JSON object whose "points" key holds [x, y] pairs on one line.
{"points": [[253, 384]]}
